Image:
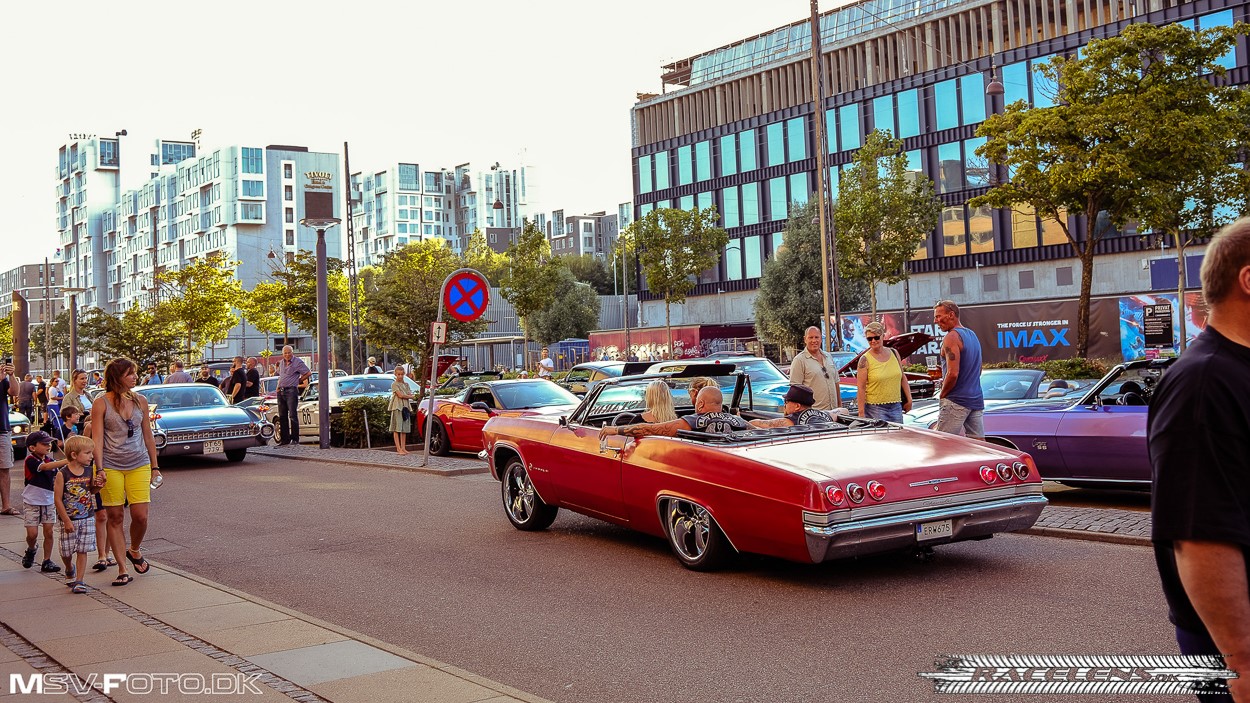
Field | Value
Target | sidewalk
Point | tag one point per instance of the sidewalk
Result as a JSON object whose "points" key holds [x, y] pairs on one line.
{"points": [[171, 621], [455, 465], [1096, 524]]}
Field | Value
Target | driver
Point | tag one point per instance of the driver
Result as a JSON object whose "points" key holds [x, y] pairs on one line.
{"points": [[709, 417], [798, 410]]}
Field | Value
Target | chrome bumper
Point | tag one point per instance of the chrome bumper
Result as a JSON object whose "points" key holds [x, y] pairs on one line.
{"points": [[969, 520]]}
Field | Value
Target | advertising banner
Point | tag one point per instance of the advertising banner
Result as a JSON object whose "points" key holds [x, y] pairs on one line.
{"points": [[1136, 336]]}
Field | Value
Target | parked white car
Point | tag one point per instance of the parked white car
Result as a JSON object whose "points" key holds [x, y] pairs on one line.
{"points": [[342, 388]]}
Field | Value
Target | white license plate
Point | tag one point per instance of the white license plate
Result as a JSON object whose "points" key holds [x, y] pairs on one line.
{"points": [[934, 530], [215, 446]]}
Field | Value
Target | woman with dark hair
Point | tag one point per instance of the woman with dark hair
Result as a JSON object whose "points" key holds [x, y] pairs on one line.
{"points": [[126, 452]]}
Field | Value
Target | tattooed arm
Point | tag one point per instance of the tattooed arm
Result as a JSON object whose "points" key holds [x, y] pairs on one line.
{"points": [[952, 345], [663, 429]]}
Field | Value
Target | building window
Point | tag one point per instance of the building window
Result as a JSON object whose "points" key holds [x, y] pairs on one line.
{"points": [[1045, 90], [908, 114], [1052, 233], [981, 230], [751, 256], [252, 212], [954, 231], [956, 284], [733, 260], [1026, 279], [685, 167], [778, 202], [253, 189], [799, 189], [705, 200], [290, 237], [748, 151], [796, 138], [989, 282], [252, 160], [750, 203], [409, 177], [729, 155], [883, 114], [661, 170], [702, 161], [685, 202], [774, 135], [976, 168], [848, 126], [950, 167], [729, 197], [434, 181], [287, 171], [644, 174], [1063, 276], [972, 93], [108, 152], [1023, 227], [288, 193], [290, 215], [946, 104]]}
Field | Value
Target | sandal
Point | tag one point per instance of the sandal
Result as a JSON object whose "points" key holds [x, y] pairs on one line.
{"points": [[79, 587], [71, 584], [101, 565], [123, 580], [10, 511], [141, 564]]}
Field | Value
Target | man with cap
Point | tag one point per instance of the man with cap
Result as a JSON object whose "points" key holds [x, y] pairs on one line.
{"points": [[373, 366], [798, 410]]}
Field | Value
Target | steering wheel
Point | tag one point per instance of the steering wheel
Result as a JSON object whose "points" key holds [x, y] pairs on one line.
{"points": [[1130, 398], [625, 418]]}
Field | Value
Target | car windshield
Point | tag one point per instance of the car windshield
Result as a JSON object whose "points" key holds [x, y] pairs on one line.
{"points": [[348, 387], [1140, 381], [631, 397], [535, 394], [1008, 385], [270, 384], [201, 396]]}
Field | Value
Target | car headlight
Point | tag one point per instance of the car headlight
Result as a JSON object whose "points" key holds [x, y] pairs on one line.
{"points": [[160, 440]]}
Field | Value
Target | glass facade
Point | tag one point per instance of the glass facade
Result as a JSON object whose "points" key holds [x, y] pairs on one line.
{"points": [[661, 170], [748, 151], [849, 129], [774, 135], [750, 203], [730, 215], [685, 167], [729, 155], [799, 189], [778, 201], [946, 104], [883, 114], [796, 138], [908, 114], [702, 161], [644, 175]]}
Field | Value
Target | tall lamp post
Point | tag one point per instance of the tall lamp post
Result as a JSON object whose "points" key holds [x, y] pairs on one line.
{"points": [[319, 214], [73, 326]]}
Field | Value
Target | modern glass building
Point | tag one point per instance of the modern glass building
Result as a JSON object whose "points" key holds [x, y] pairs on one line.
{"points": [[733, 128]]}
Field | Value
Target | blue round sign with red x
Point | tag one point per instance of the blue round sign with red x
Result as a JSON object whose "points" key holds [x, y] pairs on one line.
{"points": [[466, 296]]}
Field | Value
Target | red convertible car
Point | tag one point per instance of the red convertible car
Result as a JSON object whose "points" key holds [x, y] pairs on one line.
{"points": [[458, 420], [807, 493]]}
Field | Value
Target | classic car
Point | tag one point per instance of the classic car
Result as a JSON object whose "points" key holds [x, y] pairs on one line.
{"points": [[584, 376], [342, 388], [459, 381], [194, 418], [20, 427], [1097, 438], [808, 493], [458, 420], [1003, 387], [766, 390], [905, 344]]}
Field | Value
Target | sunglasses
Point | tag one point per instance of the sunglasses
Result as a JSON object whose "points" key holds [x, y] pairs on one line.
{"points": [[873, 339], [824, 371], [130, 427]]}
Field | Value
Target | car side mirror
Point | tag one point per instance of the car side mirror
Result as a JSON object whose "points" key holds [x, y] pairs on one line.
{"points": [[564, 421], [479, 405]]}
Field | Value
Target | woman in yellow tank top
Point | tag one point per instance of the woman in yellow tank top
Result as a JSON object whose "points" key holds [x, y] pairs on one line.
{"points": [[883, 391]]}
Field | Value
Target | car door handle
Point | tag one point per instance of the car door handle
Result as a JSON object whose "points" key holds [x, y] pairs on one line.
{"points": [[604, 447]]}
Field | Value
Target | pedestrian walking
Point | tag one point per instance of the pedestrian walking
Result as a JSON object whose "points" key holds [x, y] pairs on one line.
{"points": [[152, 378], [373, 366], [38, 499], [55, 394], [126, 452], [25, 397], [883, 393], [177, 373], [961, 401], [76, 397], [293, 373], [77, 484], [815, 368], [238, 381], [252, 389], [401, 410], [41, 399], [546, 366], [1198, 434], [206, 376], [7, 378]]}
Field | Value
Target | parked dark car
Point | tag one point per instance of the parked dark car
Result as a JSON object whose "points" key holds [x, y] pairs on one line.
{"points": [[194, 418]]}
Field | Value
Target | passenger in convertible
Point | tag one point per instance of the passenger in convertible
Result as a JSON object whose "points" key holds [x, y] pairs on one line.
{"points": [[798, 410], [659, 403], [709, 416]]}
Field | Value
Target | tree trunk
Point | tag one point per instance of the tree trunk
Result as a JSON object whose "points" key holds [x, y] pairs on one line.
{"points": [[872, 297], [525, 348], [668, 325], [1180, 288]]}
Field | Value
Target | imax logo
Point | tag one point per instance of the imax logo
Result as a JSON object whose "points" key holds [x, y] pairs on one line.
{"points": [[1058, 337]]}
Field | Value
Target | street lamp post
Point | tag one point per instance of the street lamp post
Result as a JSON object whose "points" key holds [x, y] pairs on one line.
{"points": [[73, 326], [318, 211]]}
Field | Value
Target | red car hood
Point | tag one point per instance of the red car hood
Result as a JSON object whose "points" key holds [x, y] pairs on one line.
{"points": [[905, 455], [904, 344]]}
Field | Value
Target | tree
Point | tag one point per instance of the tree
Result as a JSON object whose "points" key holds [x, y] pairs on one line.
{"points": [[883, 214], [402, 297], [479, 256], [202, 300], [53, 344], [6, 336], [789, 299], [572, 312], [1186, 128], [138, 334], [298, 277], [263, 306], [530, 282], [593, 270], [674, 246]]}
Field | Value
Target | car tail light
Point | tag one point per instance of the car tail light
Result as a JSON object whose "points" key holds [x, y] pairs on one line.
{"points": [[988, 475], [835, 495], [876, 490], [855, 492], [1021, 470], [1004, 472]]}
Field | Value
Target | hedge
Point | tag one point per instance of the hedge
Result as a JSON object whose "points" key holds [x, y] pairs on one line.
{"points": [[348, 426]]}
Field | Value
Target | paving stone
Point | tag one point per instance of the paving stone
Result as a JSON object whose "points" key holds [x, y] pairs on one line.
{"points": [[327, 662]]}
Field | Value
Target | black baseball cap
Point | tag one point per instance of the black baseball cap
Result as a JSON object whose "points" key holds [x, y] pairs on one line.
{"points": [[38, 437]]}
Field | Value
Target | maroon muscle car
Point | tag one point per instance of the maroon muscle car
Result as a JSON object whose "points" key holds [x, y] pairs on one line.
{"points": [[808, 493], [458, 420]]}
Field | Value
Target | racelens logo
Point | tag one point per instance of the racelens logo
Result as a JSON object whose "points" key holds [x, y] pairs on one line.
{"points": [[963, 674]]}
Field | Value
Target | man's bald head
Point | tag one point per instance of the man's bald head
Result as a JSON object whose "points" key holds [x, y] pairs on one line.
{"points": [[710, 400]]}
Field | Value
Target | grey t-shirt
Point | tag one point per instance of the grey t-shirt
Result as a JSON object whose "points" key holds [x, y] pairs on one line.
{"points": [[123, 444]]}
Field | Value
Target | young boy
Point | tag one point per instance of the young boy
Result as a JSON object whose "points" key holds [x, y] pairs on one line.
{"points": [[39, 497], [62, 428], [76, 486]]}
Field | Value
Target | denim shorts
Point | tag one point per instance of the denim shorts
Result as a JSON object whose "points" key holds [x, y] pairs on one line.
{"points": [[890, 412]]}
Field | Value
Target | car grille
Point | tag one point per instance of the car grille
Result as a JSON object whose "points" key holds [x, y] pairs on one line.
{"points": [[201, 435]]}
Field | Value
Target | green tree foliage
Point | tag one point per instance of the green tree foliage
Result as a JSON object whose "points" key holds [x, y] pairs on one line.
{"points": [[48, 346], [530, 282], [6, 335], [789, 299], [674, 246], [479, 256], [138, 334], [572, 312], [299, 278], [593, 270], [883, 214], [402, 297], [262, 306], [201, 297]]}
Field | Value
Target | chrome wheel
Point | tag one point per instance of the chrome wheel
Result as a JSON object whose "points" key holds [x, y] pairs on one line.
{"points": [[689, 527], [524, 507], [438, 439]]}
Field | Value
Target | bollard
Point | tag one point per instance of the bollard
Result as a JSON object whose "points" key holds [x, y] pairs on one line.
{"points": [[368, 429]]}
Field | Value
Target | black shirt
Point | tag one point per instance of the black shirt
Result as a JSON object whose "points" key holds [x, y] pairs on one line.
{"points": [[210, 380], [253, 377], [809, 416], [1199, 439], [716, 423], [4, 406], [238, 378]]}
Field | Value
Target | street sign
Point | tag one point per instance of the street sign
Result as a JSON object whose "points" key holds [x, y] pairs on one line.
{"points": [[1157, 325], [466, 296], [438, 335]]}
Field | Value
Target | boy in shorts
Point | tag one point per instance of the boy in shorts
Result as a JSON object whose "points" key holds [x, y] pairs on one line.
{"points": [[76, 487], [39, 498]]}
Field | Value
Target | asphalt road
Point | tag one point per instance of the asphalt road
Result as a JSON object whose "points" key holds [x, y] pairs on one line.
{"points": [[591, 612]]}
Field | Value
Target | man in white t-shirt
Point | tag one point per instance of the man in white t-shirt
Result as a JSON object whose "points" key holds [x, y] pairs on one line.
{"points": [[545, 365]]}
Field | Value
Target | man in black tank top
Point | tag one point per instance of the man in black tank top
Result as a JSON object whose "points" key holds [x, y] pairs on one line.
{"points": [[709, 417], [798, 410]]}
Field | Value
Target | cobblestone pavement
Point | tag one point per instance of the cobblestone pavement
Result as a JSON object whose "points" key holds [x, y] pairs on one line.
{"points": [[1100, 524]]}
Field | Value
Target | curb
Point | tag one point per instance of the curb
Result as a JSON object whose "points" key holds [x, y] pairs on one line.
{"points": [[375, 465], [1089, 536]]}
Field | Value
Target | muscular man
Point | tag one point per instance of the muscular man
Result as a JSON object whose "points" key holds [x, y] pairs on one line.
{"points": [[961, 402], [709, 417], [798, 410]]}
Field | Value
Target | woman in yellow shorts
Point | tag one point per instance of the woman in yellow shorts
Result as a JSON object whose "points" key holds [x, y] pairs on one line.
{"points": [[126, 452]]}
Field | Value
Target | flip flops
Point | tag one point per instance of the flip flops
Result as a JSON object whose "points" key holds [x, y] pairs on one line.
{"points": [[79, 587], [123, 580], [141, 564], [11, 511], [104, 564]]}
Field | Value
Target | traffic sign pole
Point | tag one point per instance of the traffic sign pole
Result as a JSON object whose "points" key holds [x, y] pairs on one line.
{"points": [[465, 293]]}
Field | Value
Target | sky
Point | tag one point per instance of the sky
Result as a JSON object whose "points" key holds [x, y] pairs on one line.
{"points": [[433, 83]]}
